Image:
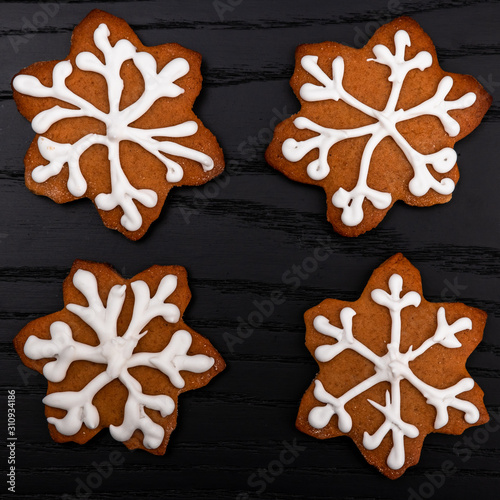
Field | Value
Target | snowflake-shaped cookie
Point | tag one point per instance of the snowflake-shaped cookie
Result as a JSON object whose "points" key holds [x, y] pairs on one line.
{"points": [[392, 368], [118, 355], [114, 124], [376, 125]]}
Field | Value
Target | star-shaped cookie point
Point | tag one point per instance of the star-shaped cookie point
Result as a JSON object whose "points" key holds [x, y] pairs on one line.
{"points": [[376, 125], [392, 368], [118, 355], [114, 124]]}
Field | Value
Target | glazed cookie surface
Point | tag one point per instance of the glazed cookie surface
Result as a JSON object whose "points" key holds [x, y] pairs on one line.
{"points": [[118, 355], [376, 125], [114, 124], [392, 368]]}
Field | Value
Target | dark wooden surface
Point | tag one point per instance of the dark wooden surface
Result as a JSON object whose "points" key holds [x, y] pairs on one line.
{"points": [[237, 242]]}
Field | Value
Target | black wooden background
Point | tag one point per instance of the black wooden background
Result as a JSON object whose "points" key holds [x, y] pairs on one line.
{"points": [[237, 238]]}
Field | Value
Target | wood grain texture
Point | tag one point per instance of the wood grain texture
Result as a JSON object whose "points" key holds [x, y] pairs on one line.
{"points": [[239, 239]]}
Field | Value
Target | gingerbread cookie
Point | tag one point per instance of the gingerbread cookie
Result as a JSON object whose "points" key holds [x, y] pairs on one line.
{"points": [[392, 368], [114, 124], [118, 355], [376, 125]]}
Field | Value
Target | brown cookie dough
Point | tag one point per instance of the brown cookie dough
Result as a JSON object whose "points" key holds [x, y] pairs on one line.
{"points": [[391, 368], [115, 146], [376, 125], [118, 355]]}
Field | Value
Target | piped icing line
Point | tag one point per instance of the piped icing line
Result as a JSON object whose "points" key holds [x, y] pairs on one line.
{"points": [[392, 367], [119, 124], [351, 202], [117, 354]]}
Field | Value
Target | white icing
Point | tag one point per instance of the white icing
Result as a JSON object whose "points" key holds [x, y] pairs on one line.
{"points": [[117, 353], [391, 367], [351, 202], [118, 124]]}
